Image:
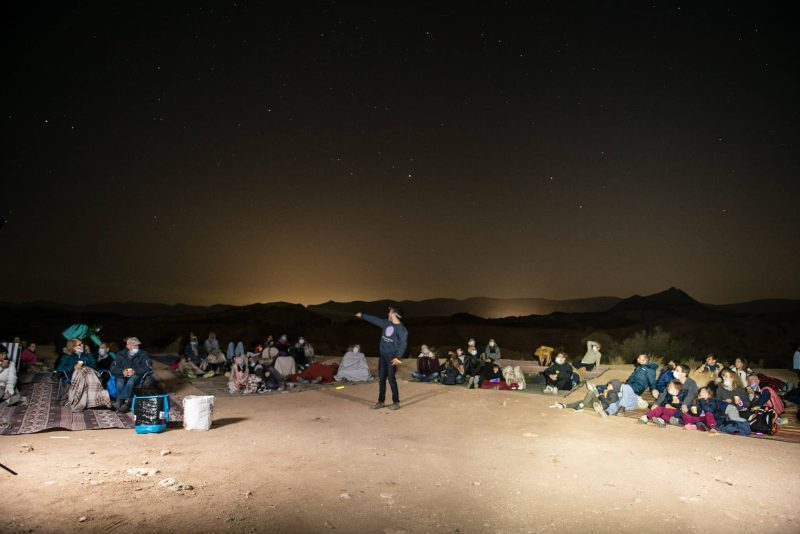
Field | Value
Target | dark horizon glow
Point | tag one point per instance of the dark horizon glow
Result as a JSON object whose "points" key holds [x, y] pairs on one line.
{"points": [[245, 154]]}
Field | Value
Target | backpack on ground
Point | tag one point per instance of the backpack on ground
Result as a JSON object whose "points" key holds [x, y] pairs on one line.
{"points": [[449, 377], [763, 421]]}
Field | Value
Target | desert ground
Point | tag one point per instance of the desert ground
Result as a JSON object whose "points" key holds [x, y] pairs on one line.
{"points": [[450, 460]]}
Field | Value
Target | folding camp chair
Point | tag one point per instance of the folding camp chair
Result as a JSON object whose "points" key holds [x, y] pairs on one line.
{"points": [[14, 354]]}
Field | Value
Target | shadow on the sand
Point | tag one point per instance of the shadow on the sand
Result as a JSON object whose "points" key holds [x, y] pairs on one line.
{"points": [[422, 397], [225, 421]]}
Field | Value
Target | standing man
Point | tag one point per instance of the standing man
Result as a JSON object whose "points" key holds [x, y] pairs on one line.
{"points": [[394, 339]]}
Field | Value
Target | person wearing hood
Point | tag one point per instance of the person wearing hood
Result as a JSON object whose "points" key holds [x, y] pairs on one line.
{"points": [[193, 350], [592, 357], [428, 367], [211, 343], [303, 352], [493, 351], [283, 345], [558, 376], [599, 402], [129, 367], [354, 366]]}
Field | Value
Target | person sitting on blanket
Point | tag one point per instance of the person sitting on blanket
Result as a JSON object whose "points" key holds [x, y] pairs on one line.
{"points": [[558, 376], [703, 413], [241, 381], [8, 378], [665, 377], [514, 377], [211, 343], [667, 405], [283, 345], [28, 356], [354, 366], [191, 370], [428, 367], [130, 366], [303, 352], [492, 376], [763, 396], [731, 391], [726, 416], [688, 385], [74, 352], [742, 371], [600, 402], [472, 366], [453, 372], [193, 350], [642, 379], [493, 350], [85, 388], [215, 361], [317, 373], [710, 366]]}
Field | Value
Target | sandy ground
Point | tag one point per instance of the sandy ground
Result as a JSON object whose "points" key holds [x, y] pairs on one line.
{"points": [[450, 460]]}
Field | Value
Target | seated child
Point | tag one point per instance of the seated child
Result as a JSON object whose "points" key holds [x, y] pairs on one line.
{"points": [[704, 413], [666, 406]]}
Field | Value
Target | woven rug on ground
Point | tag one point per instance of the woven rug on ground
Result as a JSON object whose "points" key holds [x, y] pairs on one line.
{"points": [[45, 412], [789, 432]]}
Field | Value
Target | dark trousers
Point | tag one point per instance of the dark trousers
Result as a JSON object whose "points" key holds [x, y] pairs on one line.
{"points": [[562, 382], [387, 370]]}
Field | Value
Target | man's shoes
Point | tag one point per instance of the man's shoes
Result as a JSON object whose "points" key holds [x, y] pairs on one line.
{"points": [[377, 406], [125, 407], [621, 411], [209, 374], [191, 376], [579, 407], [643, 419], [395, 406], [591, 387], [675, 421], [599, 409], [660, 422]]}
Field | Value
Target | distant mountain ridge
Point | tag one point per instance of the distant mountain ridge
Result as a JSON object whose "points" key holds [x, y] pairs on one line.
{"points": [[480, 307], [486, 307]]}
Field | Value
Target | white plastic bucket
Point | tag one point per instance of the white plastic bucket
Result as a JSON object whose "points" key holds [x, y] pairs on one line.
{"points": [[198, 412]]}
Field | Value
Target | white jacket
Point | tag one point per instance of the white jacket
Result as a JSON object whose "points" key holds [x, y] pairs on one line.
{"points": [[8, 379]]}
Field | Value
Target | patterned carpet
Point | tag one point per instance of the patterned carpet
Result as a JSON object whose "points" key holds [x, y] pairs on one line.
{"points": [[45, 412], [790, 432]]}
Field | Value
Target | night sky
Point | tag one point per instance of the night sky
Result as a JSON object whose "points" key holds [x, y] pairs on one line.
{"points": [[238, 153]]}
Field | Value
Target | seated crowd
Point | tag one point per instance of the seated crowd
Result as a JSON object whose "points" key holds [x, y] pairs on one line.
{"points": [[716, 398]]}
